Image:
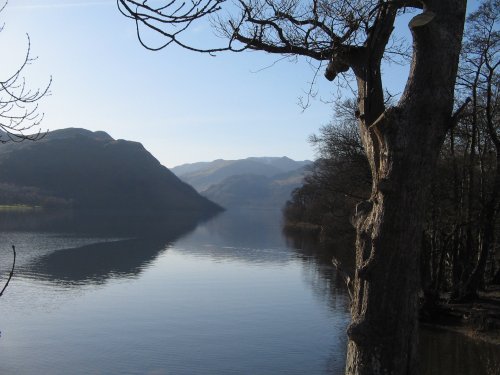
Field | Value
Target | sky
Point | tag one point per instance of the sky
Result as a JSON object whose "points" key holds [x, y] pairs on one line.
{"points": [[182, 106]]}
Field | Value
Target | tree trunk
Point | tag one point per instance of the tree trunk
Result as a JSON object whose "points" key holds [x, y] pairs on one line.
{"points": [[489, 214], [476, 280], [402, 144]]}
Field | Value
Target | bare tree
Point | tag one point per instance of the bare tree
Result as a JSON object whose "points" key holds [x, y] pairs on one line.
{"points": [[402, 141], [338, 179], [479, 78], [19, 115]]}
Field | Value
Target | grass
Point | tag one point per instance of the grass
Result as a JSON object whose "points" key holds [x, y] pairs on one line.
{"points": [[18, 207]]}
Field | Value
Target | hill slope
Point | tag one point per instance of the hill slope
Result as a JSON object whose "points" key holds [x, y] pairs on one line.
{"points": [[205, 174], [255, 191], [256, 182], [93, 171]]}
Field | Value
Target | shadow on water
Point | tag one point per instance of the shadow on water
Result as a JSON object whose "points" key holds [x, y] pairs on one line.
{"points": [[123, 245]]}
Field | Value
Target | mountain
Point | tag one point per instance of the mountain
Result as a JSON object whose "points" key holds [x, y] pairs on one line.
{"points": [[257, 182], [205, 174], [186, 169], [254, 191], [91, 170]]}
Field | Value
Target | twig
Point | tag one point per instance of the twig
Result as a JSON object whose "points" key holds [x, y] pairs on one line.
{"points": [[11, 272], [456, 116]]}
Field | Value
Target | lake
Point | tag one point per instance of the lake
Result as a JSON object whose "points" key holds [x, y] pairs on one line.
{"points": [[112, 294]]}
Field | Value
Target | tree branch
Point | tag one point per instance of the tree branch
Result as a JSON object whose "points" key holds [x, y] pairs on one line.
{"points": [[11, 272]]}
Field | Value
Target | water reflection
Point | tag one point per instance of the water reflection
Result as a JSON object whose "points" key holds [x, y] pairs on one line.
{"points": [[250, 236], [95, 263], [326, 282], [102, 244], [442, 352], [102, 223], [229, 295], [446, 353]]}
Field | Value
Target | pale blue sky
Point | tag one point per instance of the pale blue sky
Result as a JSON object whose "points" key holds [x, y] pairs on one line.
{"points": [[182, 106]]}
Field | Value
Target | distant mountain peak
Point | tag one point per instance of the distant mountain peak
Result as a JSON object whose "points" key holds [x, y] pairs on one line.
{"points": [[269, 158]]}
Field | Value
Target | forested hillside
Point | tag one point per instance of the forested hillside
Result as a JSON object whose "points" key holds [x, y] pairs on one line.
{"points": [[81, 169]]}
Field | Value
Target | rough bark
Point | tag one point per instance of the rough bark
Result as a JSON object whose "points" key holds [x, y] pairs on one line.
{"points": [[402, 144]]}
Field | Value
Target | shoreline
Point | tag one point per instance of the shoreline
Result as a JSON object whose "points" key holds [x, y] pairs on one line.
{"points": [[478, 319]]}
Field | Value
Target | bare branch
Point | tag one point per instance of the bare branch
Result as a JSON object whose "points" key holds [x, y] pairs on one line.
{"points": [[11, 271], [19, 114], [304, 104], [311, 29]]}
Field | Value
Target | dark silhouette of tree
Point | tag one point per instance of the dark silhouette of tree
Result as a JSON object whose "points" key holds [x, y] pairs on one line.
{"points": [[461, 231], [402, 141], [338, 180], [479, 75]]}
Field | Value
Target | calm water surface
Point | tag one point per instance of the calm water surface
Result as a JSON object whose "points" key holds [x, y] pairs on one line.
{"points": [[175, 296]]}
